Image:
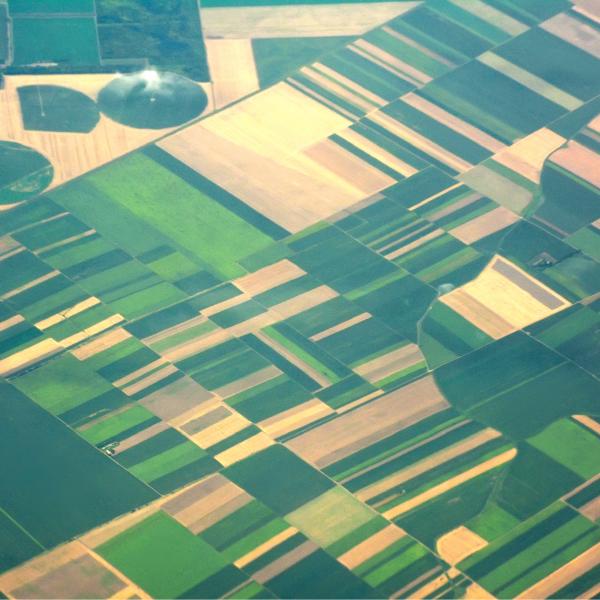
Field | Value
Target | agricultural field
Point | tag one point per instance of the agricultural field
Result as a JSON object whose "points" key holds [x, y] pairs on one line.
{"points": [[300, 299]]}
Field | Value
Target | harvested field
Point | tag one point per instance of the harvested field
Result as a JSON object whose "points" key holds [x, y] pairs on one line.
{"points": [[580, 161], [373, 545], [297, 21], [496, 220], [504, 298], [459, 543], [365, 425], [232, 69], [527, 156]]}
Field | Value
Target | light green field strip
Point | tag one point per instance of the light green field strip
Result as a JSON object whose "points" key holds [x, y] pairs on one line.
{"points": [[166, 462], [492, 15], [533, 82]]}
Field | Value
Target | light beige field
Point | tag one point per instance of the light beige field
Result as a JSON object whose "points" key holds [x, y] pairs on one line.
{"points": [[527, 156], [257, 153], [575, 32], [71, 154], [295, 417], [581, 161], [390, 363], [370, 547], [265, 547], [269, 277], [286, 561], [29, 356], [500, 189], [564, 575], [367, 424], [232, 69], [340, 327], [298, 21], [479, 227], [72, 571], [459, 543], [246, 448], [504, 298]]}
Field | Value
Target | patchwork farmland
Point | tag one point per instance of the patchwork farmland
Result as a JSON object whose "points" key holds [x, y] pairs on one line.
{"points": [[300, 299]]}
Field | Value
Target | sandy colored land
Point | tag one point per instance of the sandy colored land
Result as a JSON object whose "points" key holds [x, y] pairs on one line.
{"points": [[205, 503], [11, 322], [589, 9], [101, 343], [476, 592], [459, 543], [71, 154], [388, 159], [579, 160], [163, 372], [302, 302], [92, 330], [564, 575], [29, 356], [282, 564], [295, 417], [340, 327], [404, 590], [504, 298], [256, 154], [252, 445], [454, 206], [177, 399], [390, 363], [426, 464], [298, 21], [500, 189], [484, 225], [232, 69], [269, 277], [451, 483], [434, 196], [8, 245], [449, 120], [575, 32], [527, 156], [202, 342], [592, 509], [252, 380], [213, 434], [367, 424], [370, 547], [420, 141], [265, 547], [588, 422], [349, 167], [68, 313], [491, 15], [360, 401]]}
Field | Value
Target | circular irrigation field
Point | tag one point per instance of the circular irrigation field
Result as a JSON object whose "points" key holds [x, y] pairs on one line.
{"points": [[152, 100], [24, 172]]}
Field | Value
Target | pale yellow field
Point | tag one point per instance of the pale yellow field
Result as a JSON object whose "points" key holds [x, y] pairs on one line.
{"points": [[484, 225], [390, 363], [269, 277], [581, 161], [459, 543], [232, 69], [298, 21], [500, 303], [373, 545], [527, 156], [263, 548], [257, 153], [564, 575], [295, 417], [246, 448], [362, 427]]}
